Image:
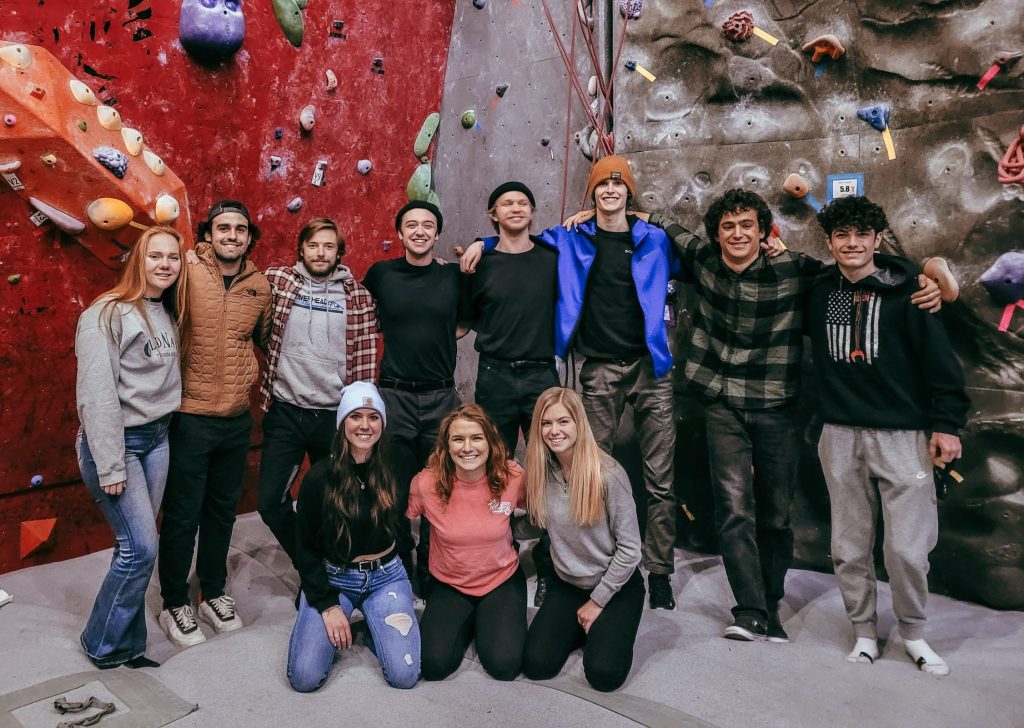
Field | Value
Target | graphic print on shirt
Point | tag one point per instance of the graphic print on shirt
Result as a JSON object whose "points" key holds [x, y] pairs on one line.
{"points": [[319, 303], [502, 507], [851, 321]]}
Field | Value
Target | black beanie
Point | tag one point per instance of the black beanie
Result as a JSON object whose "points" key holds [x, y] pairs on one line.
{"points": [[419, 205], [510, 187]]}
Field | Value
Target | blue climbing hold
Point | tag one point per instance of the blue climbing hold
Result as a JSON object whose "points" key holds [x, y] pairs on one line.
{"points": [[877, 116], [37, 480], [278, 133], [631, 65], [1004, 281]]}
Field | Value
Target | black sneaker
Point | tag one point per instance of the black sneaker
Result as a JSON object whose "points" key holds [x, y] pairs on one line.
{"points": [[746, 629], [543, 584], [776, 632], [660, 588]]}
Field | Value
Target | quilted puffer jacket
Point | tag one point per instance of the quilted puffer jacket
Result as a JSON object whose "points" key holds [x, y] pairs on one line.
{"points": [[222, 364]]}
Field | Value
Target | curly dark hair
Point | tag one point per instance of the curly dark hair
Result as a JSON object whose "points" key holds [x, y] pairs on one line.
{"points": [[737, 200], [858, 213]]}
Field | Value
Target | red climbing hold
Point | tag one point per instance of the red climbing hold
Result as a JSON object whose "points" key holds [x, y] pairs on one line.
{"points": [[739, 26], [35, 535], [1011, 166]]}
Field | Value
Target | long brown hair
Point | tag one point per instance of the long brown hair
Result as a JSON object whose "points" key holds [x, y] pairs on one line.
{"points": [[586, 484], [341, 492], [131, 288], [440, 462]]}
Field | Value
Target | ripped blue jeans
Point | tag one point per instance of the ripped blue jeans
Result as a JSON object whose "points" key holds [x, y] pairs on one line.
{"points": [[379, 595]]}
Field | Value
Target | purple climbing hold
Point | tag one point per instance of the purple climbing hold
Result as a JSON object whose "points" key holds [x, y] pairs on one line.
{"points": [[877, 116], [112, 159], [630, 9], [211, 30], [364, 166], [10, 119], [1004, 281]]}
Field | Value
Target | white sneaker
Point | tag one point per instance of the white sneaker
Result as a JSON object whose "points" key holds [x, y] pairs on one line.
{"points": [[181, 627], [220, 613]]}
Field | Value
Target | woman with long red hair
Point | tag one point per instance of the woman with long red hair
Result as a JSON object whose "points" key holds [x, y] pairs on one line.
{"points": [[468, 492]]}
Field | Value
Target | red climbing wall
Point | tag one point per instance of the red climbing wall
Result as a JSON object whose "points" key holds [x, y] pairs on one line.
{"points": [[214, 126]]}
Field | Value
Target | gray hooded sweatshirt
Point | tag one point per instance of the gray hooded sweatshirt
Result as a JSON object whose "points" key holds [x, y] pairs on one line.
{"points": [[128, 375], [311, 369]]}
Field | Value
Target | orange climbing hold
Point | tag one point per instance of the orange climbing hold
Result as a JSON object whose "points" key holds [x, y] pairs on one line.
{"points": [[65, 165], [35, 535], [822, 46]]}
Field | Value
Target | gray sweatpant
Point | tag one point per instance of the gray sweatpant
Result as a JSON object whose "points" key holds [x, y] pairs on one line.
{"points": [[864, 469]]}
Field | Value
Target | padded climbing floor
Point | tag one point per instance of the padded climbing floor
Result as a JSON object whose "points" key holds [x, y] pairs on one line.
{"points": [[684, 673]]}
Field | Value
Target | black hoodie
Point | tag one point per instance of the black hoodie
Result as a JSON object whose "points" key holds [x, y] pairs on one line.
{"points": [[880, 361]]}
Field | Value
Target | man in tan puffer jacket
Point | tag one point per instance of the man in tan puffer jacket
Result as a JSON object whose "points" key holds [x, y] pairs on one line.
{"points": [[231, 311]]}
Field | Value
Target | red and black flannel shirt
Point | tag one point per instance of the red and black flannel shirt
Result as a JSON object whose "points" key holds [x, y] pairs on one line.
{"points": [[360, 328]]}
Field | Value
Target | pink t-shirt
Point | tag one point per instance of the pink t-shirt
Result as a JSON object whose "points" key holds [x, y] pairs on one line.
{"points": [[471, 538]]}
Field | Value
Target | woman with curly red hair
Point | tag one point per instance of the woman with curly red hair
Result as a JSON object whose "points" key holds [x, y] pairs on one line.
{"points": [[468, 492]]}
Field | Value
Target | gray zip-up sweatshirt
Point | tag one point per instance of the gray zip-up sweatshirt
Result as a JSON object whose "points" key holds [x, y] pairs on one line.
{"points": [[128, 375], [311, 368], [601, 557]]}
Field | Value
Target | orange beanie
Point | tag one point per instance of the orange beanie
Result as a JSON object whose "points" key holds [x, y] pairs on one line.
{"points": [[611, 167]]}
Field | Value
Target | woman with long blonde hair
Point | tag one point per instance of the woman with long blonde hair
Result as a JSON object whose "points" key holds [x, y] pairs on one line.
{"points": [[583, 498], [129, 382], [468, 492]]}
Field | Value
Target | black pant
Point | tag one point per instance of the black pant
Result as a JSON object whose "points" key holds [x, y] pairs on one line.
{"points": [[607, 648], [289, 433], [497, 620], [414, 419], [754, 456], [508, 392], [204, 482]]}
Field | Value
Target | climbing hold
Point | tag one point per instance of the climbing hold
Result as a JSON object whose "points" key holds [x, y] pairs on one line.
{"points": [[278, 133], [9, 167], [14, 279], [433, 199], [35, 535], [877, 116], [479, 4], [1011, 166], [112, 159], [630, 9], [377, 65], [10, 119], [49, 159], [68, 223], [155, 164], [468, 119], [363, 166], [16, 55], [500, 89], [318, 173], [109, 118], [588, 142], [166, 210], [37, 480], [592, 86], [426, 134], [295, 205], [302, 4], [545, 141], [289, 17], [418, 187], [332, 80], [211, 30], [82, 125], [275, 162], [337, 29], [38, 92], [739, 26], [1004, 280], [307, 118], [132, 141], [631, 65], [822, 46], [1002, 60], [109, 213], [795, 186], [82, 93]]}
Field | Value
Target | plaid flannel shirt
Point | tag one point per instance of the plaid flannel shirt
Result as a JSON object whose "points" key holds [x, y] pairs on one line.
{"points": [[360, 328], [748, 327]]}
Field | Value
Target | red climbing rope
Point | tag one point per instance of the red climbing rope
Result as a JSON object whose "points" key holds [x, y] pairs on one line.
{"points": [[1011, 167]]}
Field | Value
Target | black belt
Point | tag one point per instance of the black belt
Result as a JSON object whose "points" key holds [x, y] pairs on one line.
{"points": [[625, 362], [410, 386], [517, 363], [371, 564]]}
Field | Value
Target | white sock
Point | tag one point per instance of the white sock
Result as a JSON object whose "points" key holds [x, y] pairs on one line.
{"points": [[925, 657], [864, 650]]}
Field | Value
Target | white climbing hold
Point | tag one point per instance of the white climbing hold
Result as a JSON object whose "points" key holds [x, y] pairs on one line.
{"points": [[155, 164], [67, 223], [109, 118], [295, 205], [307, 117], [332, 80], [364, 166], [132, 140], [82, 93], [166, 210], [16, 55]]}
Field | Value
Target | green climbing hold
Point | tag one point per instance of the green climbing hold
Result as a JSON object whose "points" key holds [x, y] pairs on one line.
{"points": [[419, 184], [433, 199], [82, 125], [302, 4], [289, 17], [426, 134], [468, 119]]}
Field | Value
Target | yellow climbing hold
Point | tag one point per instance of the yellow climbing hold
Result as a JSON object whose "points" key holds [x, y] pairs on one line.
{"points": [[109, 213]]}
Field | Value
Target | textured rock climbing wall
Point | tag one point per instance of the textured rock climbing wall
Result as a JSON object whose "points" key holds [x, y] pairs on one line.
{"points": [[722, 114], [214, 124]]}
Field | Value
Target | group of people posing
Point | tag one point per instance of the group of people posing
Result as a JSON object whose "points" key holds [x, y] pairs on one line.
{"points": [[166, 361]]}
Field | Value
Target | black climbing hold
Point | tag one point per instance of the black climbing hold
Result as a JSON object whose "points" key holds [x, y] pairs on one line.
{"points": [[545, 141], [479, 4], [278, 133], [501, 89]]}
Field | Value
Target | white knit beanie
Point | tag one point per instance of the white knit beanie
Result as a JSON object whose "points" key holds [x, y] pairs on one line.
{"points": [[358, 395]]}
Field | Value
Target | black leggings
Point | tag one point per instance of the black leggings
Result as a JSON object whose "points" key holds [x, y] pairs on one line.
{"points": [[607, 648], [497, 620]]}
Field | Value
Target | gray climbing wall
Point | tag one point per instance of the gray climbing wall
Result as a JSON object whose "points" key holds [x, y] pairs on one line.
{"points": [[722, 114]]}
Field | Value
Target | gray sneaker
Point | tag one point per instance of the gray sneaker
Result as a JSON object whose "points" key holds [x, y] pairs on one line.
{"points": [[181, 627], [220, 613]]}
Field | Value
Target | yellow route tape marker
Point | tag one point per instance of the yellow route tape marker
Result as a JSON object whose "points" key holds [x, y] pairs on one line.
{"points": [[645, 73], [890, 148], [765, 36], [138, 225]]}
